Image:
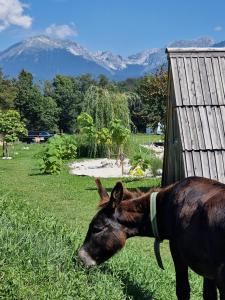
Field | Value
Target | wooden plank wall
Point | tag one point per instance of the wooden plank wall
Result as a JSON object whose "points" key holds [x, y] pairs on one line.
{"points": [[198, 99]]}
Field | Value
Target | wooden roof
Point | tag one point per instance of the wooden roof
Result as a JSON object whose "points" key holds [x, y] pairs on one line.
{"points": [[198, 80]]}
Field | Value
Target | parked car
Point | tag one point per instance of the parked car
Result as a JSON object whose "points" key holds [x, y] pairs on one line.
{"points": [[37, 136]]}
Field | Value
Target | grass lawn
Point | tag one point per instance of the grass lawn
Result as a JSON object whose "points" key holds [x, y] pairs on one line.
{"points": [[43, 221], [142, 138]]}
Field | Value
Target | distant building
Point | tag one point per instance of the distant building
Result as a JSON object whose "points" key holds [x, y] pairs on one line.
{"points": [[158, 130]]}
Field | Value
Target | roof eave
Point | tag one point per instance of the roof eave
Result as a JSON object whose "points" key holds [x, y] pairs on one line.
{"points": [[195, 49]]}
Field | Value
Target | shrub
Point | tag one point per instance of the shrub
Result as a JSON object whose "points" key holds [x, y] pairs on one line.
{"points": [[144, 159], [57, 149], [156, 163], [52, 161], [140, 163], [69, 147], [99, 142]]}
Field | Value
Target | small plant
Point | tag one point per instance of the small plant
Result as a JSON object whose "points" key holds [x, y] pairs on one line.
{"points": [[58, 148], [120, 135], [143, 160], [140, 161], [139, 164], [52, 160]]}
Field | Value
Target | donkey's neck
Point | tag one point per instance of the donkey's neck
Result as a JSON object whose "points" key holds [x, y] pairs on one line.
{"points": [[135, 215], [165, 214]]}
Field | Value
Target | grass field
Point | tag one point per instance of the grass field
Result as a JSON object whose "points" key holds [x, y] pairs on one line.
{"points": [[142, 138], [43, 221]]}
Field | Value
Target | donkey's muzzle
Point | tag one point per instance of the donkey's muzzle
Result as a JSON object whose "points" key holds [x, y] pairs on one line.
{"points": [[85, 258]]}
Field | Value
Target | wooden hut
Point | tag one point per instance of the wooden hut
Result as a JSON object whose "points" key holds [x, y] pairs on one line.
{"points": [[195, 135]]}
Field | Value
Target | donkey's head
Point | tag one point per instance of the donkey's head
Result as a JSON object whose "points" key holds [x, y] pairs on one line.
{"points": [[120, 217]]}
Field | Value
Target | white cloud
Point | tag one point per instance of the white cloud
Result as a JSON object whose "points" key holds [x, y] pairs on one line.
{"points": [[61, 31], [12, 13], [218, 28]]}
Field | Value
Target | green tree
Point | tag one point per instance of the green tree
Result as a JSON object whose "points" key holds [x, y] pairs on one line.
{"points": [[128, 85], [84, 82], [24, 86], [8, 92], [103, 81], [37, 111], [10, 128], [98, 104], [104, 106], [121, 108], [48, 89], [153, 90], [68, 99], [135, 108], [49, 114], [26, 101]]}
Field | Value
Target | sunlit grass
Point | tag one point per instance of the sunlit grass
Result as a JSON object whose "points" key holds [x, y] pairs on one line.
{"points": [[142, 138], [43, 221]]}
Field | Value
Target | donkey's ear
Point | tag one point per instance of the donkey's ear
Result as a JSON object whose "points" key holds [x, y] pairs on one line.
{"points": [[116, 195], [101, 190]]}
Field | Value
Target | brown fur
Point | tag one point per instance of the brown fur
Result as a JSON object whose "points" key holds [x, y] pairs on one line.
{"points": [[104, 197], [190, 214]]}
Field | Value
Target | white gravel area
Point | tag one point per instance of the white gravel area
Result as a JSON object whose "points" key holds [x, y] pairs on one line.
{"points": [[104, 168]]}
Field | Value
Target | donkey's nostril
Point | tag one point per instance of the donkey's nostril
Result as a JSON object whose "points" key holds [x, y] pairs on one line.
{"points": [[85, 258]]}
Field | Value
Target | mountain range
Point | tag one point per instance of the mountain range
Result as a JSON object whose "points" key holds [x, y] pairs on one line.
{"points": [[45, 57]]}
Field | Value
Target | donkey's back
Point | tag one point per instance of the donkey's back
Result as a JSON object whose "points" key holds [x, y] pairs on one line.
{"points": [[199, 227]]}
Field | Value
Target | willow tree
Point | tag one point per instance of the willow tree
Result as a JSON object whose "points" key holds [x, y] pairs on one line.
{"points": [[121, 108], [98, 104], [104, 106]]}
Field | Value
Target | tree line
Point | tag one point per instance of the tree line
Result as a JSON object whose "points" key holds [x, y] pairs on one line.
{"points": [[55, 105]]}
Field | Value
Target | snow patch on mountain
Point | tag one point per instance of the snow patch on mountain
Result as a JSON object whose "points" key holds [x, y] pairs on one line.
{"points": [[45, 57], [112, 61], [44, 43], [142, 58]]}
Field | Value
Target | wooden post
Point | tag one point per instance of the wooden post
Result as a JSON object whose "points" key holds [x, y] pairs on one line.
{"points": [[122, 157]]}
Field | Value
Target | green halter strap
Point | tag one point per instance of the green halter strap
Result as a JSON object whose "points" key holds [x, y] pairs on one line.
{"points": [[153, 215], [155, 229]]}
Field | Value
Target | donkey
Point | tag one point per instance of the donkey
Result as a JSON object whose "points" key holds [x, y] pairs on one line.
{"points": [[190, 214]]}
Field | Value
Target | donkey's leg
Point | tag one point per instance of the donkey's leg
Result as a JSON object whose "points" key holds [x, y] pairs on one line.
{"points": [[221, 287], [209, 289], [182, 283], [222, 293], [221, 281]]}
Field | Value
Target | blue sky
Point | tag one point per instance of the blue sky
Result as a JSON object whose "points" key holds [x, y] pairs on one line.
{"points": [[122, 26]]}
